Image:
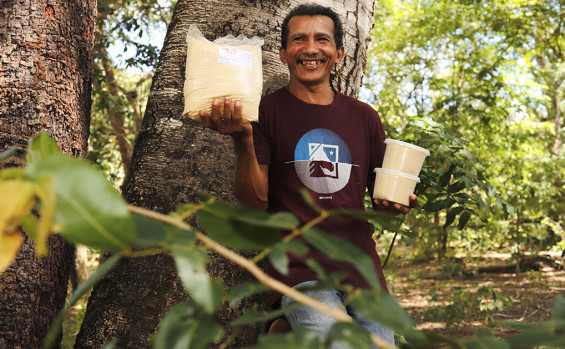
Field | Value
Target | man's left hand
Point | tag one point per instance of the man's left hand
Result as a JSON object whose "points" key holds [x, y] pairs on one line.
{"points": [[395, 207]]}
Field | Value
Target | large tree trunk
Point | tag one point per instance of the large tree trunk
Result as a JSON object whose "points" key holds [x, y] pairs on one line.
{"points": [[175, 158], [45, 78]]}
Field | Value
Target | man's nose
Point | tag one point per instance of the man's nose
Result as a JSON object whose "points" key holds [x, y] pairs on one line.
{"points": [[310, 46]]}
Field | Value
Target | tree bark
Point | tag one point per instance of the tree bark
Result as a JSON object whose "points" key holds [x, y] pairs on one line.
{"points": [[45, 84], [175, 158]]}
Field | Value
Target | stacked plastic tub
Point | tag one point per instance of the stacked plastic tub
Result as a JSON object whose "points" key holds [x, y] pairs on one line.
{"points": [[398, 177]]}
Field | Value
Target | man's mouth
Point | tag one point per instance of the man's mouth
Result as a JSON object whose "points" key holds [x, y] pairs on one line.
{"points": [[311, 61]]}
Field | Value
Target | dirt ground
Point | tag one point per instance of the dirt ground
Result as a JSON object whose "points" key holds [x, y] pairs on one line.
{"points": [[457, 296]]}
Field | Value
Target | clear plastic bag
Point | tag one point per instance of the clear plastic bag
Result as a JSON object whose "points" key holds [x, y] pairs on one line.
{"points": [[229, 66]]}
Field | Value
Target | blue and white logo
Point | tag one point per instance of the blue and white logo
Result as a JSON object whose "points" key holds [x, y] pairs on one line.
{"points": [[322, 161]]}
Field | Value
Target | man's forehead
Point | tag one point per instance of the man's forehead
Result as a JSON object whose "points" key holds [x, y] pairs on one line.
{"points": [[320, 22]]}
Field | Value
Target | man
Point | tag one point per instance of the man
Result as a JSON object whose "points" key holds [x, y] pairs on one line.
{"points": [[311, 137]]}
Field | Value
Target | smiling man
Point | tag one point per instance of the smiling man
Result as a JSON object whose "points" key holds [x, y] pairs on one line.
{"points": [[311, 137]]}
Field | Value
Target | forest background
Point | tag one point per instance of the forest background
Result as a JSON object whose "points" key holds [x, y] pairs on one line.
{"points": [[478, 84], [486, 77]]}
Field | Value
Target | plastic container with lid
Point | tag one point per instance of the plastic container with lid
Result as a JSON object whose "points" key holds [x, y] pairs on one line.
{"points": [[394, 186], [404, 157]]}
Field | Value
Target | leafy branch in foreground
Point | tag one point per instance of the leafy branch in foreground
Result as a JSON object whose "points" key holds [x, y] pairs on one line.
{"points": [[49, 195]]}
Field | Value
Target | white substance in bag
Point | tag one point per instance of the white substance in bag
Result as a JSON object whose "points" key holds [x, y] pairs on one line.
{"points": [[228, 66]]}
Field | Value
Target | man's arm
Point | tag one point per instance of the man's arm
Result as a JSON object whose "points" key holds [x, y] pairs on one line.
{"points": [[251, 179]]}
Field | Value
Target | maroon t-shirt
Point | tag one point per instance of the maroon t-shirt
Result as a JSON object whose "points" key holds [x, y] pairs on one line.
{"points": [[330, 150]]}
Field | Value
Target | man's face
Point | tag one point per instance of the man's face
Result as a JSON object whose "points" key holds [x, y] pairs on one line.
{"points": [[311, 52]]}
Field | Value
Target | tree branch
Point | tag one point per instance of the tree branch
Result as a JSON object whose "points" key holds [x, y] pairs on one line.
{"points": [[259, 274]]}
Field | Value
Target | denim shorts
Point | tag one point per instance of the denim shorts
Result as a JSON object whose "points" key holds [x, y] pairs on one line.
{"points": [[322, 322]]}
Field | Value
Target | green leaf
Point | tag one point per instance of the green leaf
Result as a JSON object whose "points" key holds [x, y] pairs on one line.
{"points": [[244, 290], [181, 237], [279, 260], [457, 186], [191, 266], [88, 208], [543, 334], [12, 173], [383, 220], [8, 152], [293, 246], [308, 199], [41, 147], [439, 205], [446, 177], [484, 339], [243, 228], [253, 315], [187, 325], [301, 338], [464, 197], [343, 250], [558, 308], [463, 220], [150, 232], [482, 203], [324, 280], [350, 335], [381, 307], [451, 214]]}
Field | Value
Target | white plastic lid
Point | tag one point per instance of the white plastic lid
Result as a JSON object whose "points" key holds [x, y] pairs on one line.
{"points": [[409, 145], [403, 174]]}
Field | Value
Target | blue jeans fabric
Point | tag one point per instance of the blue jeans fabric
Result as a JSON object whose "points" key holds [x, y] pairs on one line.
{"points": [[321, 322]]}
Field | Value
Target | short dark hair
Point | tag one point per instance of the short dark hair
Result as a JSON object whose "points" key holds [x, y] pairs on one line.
{"points": [[313, 10]]}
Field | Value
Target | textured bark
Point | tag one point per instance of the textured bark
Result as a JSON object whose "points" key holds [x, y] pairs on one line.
{"points": [[45, 77], [175, 158]]}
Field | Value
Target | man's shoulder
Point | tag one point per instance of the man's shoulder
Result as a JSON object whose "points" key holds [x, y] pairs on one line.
{"points": [[274, 96], [356, 104]]}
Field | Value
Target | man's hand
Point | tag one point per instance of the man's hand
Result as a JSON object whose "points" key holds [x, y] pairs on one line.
{"points": [[229, 122], [394, 207]]}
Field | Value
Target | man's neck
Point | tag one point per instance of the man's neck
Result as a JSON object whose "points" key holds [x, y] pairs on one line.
{"points": [[318, 94]]}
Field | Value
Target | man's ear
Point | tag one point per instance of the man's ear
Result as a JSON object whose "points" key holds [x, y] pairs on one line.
{"points": [[340, 54], [282, 55]]}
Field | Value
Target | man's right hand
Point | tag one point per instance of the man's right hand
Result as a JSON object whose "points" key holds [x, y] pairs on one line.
{"points": [[229, 122]]}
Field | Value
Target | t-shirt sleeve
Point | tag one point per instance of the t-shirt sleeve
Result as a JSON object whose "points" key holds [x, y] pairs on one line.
{"points": [[261, 140], [378, 147]]}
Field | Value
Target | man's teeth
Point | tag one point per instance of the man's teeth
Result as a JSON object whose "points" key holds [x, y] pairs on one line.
{"points": [[311, 63]]}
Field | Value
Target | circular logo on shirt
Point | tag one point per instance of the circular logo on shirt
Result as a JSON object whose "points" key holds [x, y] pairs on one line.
{"points": [[322, 161]]}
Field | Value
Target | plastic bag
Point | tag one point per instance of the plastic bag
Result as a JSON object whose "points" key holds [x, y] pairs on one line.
{"points": [[229, 66]]}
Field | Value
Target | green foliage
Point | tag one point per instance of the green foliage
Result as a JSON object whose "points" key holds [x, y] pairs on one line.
{"points": [[194, 324], [484, 81], [187, 325], [126, 50], [240, 228], [463, 302], [490, 299], [88, 209]]}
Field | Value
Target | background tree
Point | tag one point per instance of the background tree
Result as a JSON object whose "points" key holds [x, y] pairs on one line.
{"points": [[45, 84], [122, 80], [175, 158], [483, 70]]}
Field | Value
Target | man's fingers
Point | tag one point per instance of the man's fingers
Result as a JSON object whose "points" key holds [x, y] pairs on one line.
{"points": [[401, 208], [204, 118], [227, 109], [216, 111], [413, 200], [237, 112]]}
